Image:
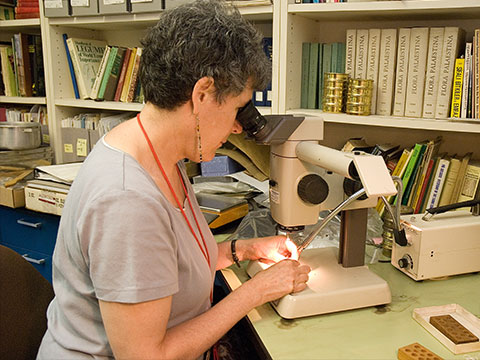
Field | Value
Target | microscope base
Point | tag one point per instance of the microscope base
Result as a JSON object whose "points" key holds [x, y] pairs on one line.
{"points": [[331, 287]]}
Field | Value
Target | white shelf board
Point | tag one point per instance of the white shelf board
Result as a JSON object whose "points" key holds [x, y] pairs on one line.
{"points": [[408, 9], [99, 105], [264, 110], [392, 121], [22, 100], [143, 20], [19, 24]]}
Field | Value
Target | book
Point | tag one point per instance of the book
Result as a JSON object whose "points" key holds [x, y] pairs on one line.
{"points": [[416, 71], [417, 152], [386, 71], [22, 57], [70, 67], [414, 181], [424, 201], [438, 182], [313, 76], [361, 52], [86, 57], [100, 73], [350, 47], [320, 76], [112, 56], [435, 48], [470, 182], [134, 78], [373, 58], [112, 81], [36, 63], [401, 72], [8, 74], [123, 72], [428, 175], [452, 38], [455, 111], [305, 74], [476, 74], [450, 181], [128, 75], [460, 178], [466, 80]]}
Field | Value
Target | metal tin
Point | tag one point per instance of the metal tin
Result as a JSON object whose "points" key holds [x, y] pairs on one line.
{"points": [[20, 135]]}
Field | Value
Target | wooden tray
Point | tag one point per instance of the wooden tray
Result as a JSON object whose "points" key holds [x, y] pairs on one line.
{"points": [[464, 317]]}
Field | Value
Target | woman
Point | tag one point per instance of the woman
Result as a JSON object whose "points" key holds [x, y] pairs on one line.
{"points": [[135, 261]]}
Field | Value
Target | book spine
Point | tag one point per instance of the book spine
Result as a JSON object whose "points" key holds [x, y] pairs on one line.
{"points": [[361, 52], [450, 182], [457, 88], [313, 76], [100, 73], [372, 63], [477, 74], [428, 174], [386, 72], [350, 56], [435, 48], [320, 76], [123, 72], [416, 72], [451, 40], [466, 79], [438, 182], [70, 67], [412, 163], [108, 70], [76, 66], [470, 183], [133, 83], [402, 68], [305, 73], [112, 82], [128, 75]]}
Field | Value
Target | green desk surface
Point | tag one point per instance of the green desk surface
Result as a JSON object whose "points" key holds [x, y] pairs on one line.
{"points": [[369, 333]]}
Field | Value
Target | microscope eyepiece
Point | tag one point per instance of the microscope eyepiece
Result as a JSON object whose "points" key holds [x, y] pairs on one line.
{"points": [[253, 123]]}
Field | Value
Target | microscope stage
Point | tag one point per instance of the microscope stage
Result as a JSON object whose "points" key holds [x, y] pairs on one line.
{"points": [[330, 287]]}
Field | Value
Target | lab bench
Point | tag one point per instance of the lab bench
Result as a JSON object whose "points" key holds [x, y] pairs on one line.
{"points": [[368, 333]]}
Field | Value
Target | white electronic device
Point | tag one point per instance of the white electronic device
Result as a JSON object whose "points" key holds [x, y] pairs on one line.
{"points": [[447, 244]]}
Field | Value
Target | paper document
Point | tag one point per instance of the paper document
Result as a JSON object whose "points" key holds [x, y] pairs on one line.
{"points": [[64, 173]]}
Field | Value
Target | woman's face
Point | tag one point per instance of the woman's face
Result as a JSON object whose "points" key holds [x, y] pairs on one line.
{"points": [[218, 122]]}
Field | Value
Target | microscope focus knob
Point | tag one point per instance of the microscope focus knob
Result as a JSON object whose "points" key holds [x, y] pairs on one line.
{"points": [[405, 262], [312, 189]]}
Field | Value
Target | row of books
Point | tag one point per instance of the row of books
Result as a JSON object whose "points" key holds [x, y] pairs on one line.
{"points": [[264, 97], [22, 67], [7, 12], [318, 59], [466, 83], [432, 179], [104, 72], [412, 68], [27, 9], [36, 113]]}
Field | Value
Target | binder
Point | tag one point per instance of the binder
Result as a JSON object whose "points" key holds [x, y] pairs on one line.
{"points": [[112, 6], [56, 8], [84, 7], [140, 6]]}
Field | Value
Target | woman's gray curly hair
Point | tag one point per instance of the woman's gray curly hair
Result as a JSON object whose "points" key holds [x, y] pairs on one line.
{"points": [[203, 38]]}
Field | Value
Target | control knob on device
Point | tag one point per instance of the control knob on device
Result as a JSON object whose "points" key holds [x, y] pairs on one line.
{"points": [[405, 262], [312, 189]]}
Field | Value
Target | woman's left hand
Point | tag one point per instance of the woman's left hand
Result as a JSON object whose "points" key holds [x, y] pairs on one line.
{"points": [[272, 249]]}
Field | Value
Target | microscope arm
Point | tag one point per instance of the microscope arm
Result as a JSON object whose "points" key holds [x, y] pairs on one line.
{"points": [[329, 217]]}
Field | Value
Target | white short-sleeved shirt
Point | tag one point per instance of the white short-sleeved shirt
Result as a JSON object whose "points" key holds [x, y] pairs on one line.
{"points": [[121, 240]]}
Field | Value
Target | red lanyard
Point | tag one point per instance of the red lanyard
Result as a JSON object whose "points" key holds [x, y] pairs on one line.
{"points": [[154, 153]]}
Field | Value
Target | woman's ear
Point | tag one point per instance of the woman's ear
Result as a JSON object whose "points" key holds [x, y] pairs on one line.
{"points": [[203, 91]]}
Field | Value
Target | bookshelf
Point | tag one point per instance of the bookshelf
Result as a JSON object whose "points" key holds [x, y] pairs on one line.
{"points": [[289, 24], [123, 30], [314, 23]]}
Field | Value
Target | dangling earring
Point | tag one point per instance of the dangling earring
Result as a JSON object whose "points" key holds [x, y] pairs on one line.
{"points": [[199, 139]]}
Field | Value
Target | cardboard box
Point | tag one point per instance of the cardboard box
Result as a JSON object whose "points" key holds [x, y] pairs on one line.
{"points": [[13, 196], [44, 197], [57, 8], [75, 144], [93, 137], [112, 7], [220, 165], [84, 7]]}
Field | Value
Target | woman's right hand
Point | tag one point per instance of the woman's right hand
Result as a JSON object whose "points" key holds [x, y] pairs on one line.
{"points": [[285, 277]]}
